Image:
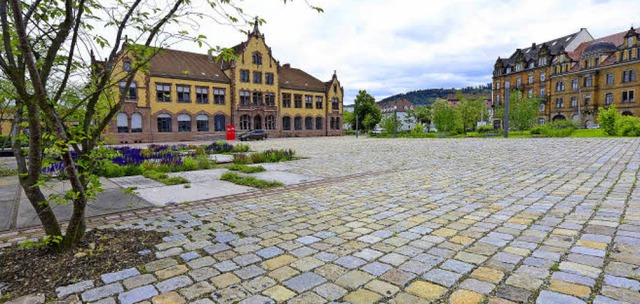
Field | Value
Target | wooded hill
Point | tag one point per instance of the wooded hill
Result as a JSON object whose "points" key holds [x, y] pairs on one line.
{"points": [[428, 96]]}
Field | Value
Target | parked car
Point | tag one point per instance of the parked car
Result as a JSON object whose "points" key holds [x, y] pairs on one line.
{"points": [[253, 134]]}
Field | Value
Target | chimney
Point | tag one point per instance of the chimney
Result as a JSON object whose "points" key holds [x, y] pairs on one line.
{"points": [[286, 65], [533, 46]]}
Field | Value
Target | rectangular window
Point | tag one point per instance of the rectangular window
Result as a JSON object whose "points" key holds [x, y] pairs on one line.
{"points": [[245, 98], [297, 99], [542, 92], [257, 98], [268, 78], [183, 92], [608, 98], [219, 96], [319, 101], [587, 99], [202, 95], [530, 93], [163, 92], [542, 76], [588, 81], [244, 75], [541, 109], [133, 90], [574, 102], [308, 102], [559, 103], [257, 77], [202, 123], [270, 99], [610, 78], [574, 84], [628, 96], [286, 100], [335, 104], [530, 78], [518, 82], [164, 124], [628, 76]]}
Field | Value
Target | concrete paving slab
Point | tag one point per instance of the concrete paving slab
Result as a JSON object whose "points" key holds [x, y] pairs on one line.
{"points": [[161, 196], [109, 201], [285, 177], [221, 158], [275, 166], [138, 181], [6, 212], [201, 175]]}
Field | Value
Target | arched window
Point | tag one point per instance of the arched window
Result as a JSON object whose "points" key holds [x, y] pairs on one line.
{"points": [[319, 125], [297, 123], [164, 123], [286, 123], [184, 123], [123, 123], [202, 123], [219, 122], [245, 122], [256, 58], [136, 123], [257, 122], [308, 123], [270, 122], [332, 125]]}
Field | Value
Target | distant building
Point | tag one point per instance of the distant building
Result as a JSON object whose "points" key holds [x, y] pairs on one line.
{"points": [[401, 109], [190, 96], [574, 75]]}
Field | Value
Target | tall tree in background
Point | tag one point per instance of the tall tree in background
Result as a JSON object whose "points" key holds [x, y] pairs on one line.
{"points": [[523, 111], [471, 112], [422, 115], [66, 99], [368, 114], [446, 118]]}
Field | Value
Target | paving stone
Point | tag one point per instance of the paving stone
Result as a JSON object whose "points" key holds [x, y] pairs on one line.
{"points": [[330, 291], [137, 294], [257, 300], [362, 296], [201, 262], [354, 279], [278, 262], [168, 298], [226, 266], [306, 264], [579, 291], [554, 297], [580, 269], [369, 254], [196, 290], [383, 288], [303, 252], [304, 282], [442, 277], [249, 272], [279, 293], [307, 240], [513, 293], [225, 280], [457, 266], [171, 272], [622, 282], [98, 293], [465, 297], [188, 256], [79, 287], [258, 284], [350, 262], [477, 286], [307, 298], [138, 281], [524, 282], [426, 290], [173, 284], [376, 268], [398, 277], [202, 274], [160, 264]]}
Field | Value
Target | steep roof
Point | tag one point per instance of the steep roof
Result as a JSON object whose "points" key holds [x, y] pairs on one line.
{"points": [[554, 46], [616, 39], [296, 79], [186, 65]]}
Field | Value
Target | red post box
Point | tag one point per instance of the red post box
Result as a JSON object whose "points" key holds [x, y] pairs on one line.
{"points": [[231, 132]]}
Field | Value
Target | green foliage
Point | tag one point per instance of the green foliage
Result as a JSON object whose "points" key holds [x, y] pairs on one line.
{"points": [[429, 96], [523, 111], [246, 169], [422, 114], [204, 162], [471, 112], [537, 130], [560, 128], [485, 129], [272, 156], [628, 126], [45, 241], [111, 170], [368, 114], [241, 159], [249, 181], [189, 164], [607, 120], [4, 171], [446, 118], [387, 125], [164, 178], [240, 148], [417, 129]]}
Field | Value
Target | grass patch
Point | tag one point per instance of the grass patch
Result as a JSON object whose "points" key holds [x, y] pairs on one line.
{"points": [[588, 133], [245, 168], [164, 178], [269, 156], [249, 181]]}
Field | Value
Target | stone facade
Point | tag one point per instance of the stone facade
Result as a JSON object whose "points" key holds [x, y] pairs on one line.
{"points": [[185, 96]]}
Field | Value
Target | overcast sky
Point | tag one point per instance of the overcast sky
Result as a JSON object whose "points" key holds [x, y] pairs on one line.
{"points": [[395, 46]]}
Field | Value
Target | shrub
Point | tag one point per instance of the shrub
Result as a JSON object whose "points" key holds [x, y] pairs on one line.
{"points": [[112, 170], [561, 128], [249, 181], [241, 159], [536, 130], [246, 169], [628, 126], [204, 162], [607, 120], [189, 164], [484, 129], [240, 148], [132, 170]]}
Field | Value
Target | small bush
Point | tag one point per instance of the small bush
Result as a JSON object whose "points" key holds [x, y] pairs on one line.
{"points": [[537, 130], [628, 126], [240, 148], [607, 120], [246, 169], [133, 170], [164, 178], [249, 181], [204, 162], [241, 159], [189, 164], [112, 170], [484, 129], [561, 128]]}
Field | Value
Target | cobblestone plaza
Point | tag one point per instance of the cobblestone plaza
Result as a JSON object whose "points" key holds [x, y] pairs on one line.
{"points": [[406, 221]]}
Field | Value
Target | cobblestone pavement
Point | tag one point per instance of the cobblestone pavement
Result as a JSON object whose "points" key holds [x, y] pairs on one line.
{"points": [[411, 221]]}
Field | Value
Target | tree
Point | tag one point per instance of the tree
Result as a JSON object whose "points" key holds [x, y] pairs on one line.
{"points": [[523, 111], [347, 117], [471, 111], [368, 114], [446, 118], [66, 98]]}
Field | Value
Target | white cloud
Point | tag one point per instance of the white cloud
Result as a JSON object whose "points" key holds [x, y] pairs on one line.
{"points": [[393, 46]]}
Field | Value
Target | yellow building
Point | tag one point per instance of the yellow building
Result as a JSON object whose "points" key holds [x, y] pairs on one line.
{"points": [[189, 96], [581, 74]]}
